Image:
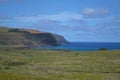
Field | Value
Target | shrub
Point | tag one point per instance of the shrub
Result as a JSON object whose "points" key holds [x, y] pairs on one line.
{"points": [[16, 63], [76, 53], [14, 30], [7, 67], [103, 49]]}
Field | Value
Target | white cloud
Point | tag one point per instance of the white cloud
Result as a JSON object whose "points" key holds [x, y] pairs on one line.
{"points": [[117, 19], [3, 17], [66, 16], [56, 17], [95, 13]]}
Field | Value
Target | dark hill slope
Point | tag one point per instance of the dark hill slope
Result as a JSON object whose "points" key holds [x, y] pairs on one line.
{"points": [[27, 37]]}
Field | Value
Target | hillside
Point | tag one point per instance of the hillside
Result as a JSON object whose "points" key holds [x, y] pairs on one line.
{"points": [[28, 37]]}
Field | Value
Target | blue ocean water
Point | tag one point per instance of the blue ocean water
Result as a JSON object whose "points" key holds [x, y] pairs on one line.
{"points": [[86, 46]]}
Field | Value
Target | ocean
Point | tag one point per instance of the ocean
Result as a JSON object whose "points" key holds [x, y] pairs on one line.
{"points": [[85, 46]]}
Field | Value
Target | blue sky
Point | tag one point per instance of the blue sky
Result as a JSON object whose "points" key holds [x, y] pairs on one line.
{"points": [[76, 20]]}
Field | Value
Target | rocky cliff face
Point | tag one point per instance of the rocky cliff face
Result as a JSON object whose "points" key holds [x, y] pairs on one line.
{"points": [[46, 38], [29, 37], [60, 39]]}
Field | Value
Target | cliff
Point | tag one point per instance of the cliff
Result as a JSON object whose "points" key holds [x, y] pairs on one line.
{"points": [[28, 37]]}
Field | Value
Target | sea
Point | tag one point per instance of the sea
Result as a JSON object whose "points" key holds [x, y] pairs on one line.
{"points": [[85, 46]]}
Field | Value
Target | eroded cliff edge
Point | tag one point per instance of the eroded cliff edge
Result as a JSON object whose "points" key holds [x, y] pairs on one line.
{"points": [[29, 37]]}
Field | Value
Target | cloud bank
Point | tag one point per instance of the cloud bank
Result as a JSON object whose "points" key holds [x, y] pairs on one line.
{"points": [[72, 25], [95, 13]]}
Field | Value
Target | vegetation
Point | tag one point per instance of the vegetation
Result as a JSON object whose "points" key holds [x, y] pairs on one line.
{"points": [[31, 64], [6, 67], [14, 30], [103, 49]]}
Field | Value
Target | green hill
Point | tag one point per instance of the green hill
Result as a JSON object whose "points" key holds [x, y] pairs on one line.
{"points": [[28, 37]]}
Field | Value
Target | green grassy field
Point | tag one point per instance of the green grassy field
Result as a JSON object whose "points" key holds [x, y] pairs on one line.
{"points": [[29, 64]]}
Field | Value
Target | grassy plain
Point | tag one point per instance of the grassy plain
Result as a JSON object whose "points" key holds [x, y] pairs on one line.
{"points": [[31, 64]]}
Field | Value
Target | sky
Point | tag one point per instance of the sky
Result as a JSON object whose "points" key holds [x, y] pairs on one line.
{"points": [[76, 20]]}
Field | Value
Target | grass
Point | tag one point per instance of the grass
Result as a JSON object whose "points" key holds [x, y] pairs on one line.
{"points": [[30, 64]]}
